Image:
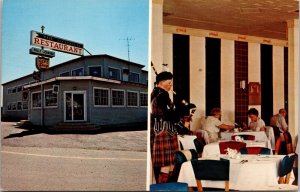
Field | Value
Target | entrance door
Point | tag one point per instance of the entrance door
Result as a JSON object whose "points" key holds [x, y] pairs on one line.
{"points": [[75, 106]]}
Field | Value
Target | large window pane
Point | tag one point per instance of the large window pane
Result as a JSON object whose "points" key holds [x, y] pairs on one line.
{"points": [[143, 99], [36, 100], [114, 73], [95, 71], [132, 99], [101, 97], [134, 77], [77, 72], [50, 99], [117, 98]]}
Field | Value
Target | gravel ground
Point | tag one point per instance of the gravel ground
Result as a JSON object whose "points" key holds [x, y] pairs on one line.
{"points": [[121, 140]]}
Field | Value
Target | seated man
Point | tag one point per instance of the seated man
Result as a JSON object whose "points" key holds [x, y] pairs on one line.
{"points": [[213, 125], [279, 122], [256, 123]]}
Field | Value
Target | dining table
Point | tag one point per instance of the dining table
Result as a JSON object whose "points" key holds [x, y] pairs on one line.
{"points": [[214, 149], [247, 172], [259, 135]]}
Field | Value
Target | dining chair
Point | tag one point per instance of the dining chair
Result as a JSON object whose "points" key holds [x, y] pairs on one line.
{"points": [[255, 150], [174, 186], [285, 169], [214, 170], [223, 145], [181, 157], [244, 137]]}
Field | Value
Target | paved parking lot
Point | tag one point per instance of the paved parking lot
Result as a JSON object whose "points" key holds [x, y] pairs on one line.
{"points": [[98, 161]]}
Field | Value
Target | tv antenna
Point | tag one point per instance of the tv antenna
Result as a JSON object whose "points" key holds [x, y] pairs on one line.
{"points": [[128, 45]]}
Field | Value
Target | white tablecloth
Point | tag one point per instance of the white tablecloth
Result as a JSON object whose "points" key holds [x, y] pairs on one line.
{"points": [[213, 149], [271, 136], [259, 135], [259, 172]]}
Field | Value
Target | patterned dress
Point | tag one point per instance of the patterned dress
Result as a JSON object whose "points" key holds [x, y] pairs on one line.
{"points": [[163, 132]]}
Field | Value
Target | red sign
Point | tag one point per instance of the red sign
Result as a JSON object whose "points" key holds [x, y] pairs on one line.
{"points": [[42, 63]]}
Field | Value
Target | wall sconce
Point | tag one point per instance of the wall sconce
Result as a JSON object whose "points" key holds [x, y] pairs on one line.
{"points": [[243, 84]]}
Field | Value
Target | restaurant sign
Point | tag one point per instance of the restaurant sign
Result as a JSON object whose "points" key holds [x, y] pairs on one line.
{"points": [[56, 43], [41, 52], [42, 63]]}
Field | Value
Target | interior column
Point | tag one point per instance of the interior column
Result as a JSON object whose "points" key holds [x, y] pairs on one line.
{"points": [[278, 78], [293, 77], [197, 78], [227, 81]]}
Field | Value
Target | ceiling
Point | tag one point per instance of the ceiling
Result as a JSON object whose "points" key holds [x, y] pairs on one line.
{"points": [[262, 18]]}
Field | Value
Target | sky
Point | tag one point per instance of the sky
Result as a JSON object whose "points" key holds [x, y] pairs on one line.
{"points": [[101, 25]]}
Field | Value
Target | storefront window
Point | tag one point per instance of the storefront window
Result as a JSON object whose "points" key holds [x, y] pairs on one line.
{"points": [[50, 99], [36, 100]]}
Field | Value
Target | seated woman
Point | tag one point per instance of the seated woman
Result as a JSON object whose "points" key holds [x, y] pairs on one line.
{"points": [[256, 123], [213, 125]]}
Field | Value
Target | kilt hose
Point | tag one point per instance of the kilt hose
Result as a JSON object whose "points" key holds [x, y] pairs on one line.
{"points": [[164, 148]]}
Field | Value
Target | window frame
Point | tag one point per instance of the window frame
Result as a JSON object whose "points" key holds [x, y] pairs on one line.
{"points": [[136, 74], [124, 98], [120, 78], [31, 100], [109, 97], [47, 90], [101, 75], [137, 102], [17, 109], [60, 74], [75, 70], [145, 93], [23, 105]]}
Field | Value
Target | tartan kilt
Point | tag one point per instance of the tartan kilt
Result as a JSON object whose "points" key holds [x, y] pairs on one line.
{"points": [[164, 148]]}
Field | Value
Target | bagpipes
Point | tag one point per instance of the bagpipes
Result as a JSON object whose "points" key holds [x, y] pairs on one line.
{"points": [[184, 109]]}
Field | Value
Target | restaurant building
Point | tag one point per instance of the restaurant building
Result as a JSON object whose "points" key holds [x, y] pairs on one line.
{"points": [[98, 89], [230, 54]]}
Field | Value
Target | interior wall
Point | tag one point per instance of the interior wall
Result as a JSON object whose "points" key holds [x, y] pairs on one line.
{"points": [[198, 74]]}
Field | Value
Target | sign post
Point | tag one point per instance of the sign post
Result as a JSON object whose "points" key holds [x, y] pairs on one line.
{"points": [[40, 39]]}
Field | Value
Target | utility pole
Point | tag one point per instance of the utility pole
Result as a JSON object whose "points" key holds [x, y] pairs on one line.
{"points": [[128, 46], [42, 90]]}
